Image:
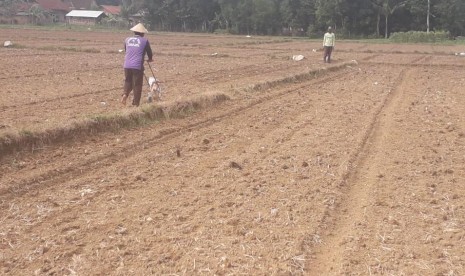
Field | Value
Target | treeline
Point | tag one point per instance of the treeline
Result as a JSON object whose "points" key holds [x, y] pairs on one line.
{"points": [[350, 18]]}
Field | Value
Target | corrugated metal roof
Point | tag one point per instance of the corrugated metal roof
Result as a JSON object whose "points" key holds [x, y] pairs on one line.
{"points": [[82, 13]]}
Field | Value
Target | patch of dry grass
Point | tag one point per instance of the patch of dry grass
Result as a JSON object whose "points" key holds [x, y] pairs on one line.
{"points": [[296, 78], [32, 140]]}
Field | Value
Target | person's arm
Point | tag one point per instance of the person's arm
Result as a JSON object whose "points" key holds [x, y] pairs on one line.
{"points": [[149, 52]]}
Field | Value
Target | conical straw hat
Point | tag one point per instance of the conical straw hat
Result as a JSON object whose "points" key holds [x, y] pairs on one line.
{"points": [[139, 28]]}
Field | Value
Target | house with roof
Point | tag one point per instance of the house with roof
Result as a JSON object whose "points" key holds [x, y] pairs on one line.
{"points": [[84, 17], [114, 18], [111, 10], [54, 11], [16, 13], [57, 9], [83, 4]]}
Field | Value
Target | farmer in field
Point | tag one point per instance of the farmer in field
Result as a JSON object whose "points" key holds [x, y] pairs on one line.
{"points": [[328, 44], [136, 47]]}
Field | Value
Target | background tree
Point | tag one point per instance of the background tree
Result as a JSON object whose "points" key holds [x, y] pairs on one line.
{"points": [[129, 7], [10, 8], [388, 7], [203, 11], [245, 12], [451, 15], [37, 13], [228, 13], [351, 18], [360, 19], [297, 15], [330, 13]]}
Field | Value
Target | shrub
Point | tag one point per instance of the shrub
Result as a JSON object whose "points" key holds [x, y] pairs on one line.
{"points": [[420, 37]]}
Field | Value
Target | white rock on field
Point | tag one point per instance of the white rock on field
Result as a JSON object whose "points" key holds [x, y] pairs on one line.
{"points": [[7, 43], [297, 57]]}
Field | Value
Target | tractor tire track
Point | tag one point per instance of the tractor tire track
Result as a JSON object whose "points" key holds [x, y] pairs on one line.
{"points": [[355, 193]]}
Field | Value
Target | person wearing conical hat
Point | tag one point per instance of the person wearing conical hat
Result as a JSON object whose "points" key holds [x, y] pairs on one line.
{"points": [[136, 47]]}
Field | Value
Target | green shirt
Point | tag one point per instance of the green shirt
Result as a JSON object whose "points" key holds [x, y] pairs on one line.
{"points": [[329, 40]]}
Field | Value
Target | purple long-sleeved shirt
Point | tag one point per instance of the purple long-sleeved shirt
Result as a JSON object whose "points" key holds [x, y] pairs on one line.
{"points": [[136, 47]]}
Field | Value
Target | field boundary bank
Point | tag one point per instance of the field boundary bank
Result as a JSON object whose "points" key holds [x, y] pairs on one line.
{"points": [[30, 140], [297, 77], [417, 65], [342, 219]]}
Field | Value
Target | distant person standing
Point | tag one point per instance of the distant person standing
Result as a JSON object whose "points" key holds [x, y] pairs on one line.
{"points": [[136, 47], [328, 44]]}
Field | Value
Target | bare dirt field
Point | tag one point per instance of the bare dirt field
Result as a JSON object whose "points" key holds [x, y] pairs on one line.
{"points": [[349, 168]]}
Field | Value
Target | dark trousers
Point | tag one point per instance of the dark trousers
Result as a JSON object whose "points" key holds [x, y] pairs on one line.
{"points": [[327, 53], [133, 79]]}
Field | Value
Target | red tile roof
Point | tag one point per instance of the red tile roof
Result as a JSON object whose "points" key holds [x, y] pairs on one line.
{"points": [[115, 10], [82, 4], [55, 5], [24, 6]]}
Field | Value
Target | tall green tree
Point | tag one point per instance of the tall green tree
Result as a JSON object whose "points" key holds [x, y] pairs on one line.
{"points": [[387, 8], [10, 7], [349, 17], [245, 13], [331, 13], [203, 11], [452, 16], [129, 7], [228, 13], [37, 13], [422, 14], [359, 18], [266, 18], [298, 14]]}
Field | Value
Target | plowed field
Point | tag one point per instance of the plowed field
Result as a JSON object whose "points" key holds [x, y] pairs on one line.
{"points": [[349, 168]]}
